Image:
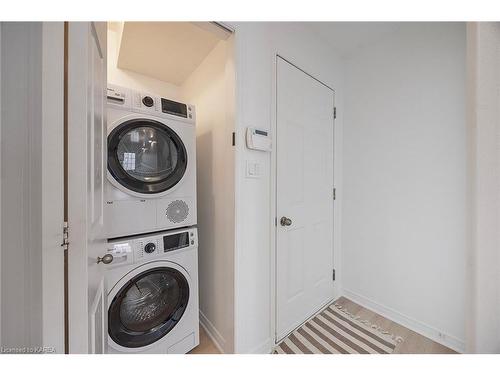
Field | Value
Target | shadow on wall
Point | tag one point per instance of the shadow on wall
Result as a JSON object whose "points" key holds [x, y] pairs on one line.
{"points": [[206, 204]]}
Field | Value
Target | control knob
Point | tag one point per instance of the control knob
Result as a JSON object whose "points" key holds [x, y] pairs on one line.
{"points": [[148, 101], [149, 248]]}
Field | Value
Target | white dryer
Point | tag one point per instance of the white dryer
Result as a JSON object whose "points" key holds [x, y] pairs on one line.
{"points": [[152, 285], [151, 163]]}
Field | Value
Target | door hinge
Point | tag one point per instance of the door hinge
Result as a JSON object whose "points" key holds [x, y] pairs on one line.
{"points": [[233, 139], [275, 221], [334, 112], [65, 242], [333, 274], [334, 193]]}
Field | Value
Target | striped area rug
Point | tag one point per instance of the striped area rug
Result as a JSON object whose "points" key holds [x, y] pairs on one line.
{"points": [[335, 330]]}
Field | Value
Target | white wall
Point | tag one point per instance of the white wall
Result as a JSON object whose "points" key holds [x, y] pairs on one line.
{"points": [[483, 318], [32, 299], [209, 89], [21, 173], [136, 81], [256, 48], [0, 185], [404, 179]]}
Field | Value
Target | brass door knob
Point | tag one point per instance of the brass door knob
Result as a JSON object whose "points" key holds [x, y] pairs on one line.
{"points": [[285, 221]]}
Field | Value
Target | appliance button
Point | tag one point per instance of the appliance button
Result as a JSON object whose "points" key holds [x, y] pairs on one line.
{"points": [[149, 248], [191, 234], [192, 242], [148, 101]]}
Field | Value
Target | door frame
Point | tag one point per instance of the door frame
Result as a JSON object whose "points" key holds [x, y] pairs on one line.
{"points": [[53, 301], [273, 201], [76, 144]]}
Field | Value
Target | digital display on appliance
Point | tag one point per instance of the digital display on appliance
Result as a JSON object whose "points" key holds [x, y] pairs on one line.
{"points": [[173, 108], [175, 241], [260, 132]]}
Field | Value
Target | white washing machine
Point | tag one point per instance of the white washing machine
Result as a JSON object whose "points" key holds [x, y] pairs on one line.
{"points": [[151, 163], [152, 285]]}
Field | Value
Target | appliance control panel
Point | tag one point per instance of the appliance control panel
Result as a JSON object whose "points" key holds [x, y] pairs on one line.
{"points": [[122, 253], [146, 248], [138, 248], [145, 102], [136, 101]]}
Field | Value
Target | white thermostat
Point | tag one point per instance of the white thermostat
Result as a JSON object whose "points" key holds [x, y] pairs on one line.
{"points": [[258, 140]]}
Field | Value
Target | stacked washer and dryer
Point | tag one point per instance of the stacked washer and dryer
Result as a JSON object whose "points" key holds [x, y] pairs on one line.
{"points": [[152, 280]]}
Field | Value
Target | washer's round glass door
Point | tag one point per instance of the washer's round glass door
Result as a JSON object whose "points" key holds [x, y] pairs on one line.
{"points": [[146, 156], [147, 307]]}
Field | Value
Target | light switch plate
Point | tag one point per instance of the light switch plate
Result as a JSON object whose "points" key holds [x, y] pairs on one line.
{"points": [[253, 169]]}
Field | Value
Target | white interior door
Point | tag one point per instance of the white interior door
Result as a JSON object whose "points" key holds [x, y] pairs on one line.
{"points": [[304, 196], [86, 174]]}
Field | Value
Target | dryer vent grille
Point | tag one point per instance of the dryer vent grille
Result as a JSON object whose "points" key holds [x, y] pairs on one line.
{"points": [[177, 211]]}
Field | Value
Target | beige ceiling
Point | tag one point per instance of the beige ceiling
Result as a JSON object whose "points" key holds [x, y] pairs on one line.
{"points": [[169, 51]]}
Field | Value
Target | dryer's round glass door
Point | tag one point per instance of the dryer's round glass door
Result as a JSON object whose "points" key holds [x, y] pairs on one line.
{"points": [[147, 307], [146, 156]]}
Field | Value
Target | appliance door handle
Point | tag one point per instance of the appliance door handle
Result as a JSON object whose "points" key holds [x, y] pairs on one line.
{"points": [[106, 259]]}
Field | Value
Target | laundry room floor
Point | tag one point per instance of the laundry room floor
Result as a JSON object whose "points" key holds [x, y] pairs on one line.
{"points": [[413, 343], [206, 345]]}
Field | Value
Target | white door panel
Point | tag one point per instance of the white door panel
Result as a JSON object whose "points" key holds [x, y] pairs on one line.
{"points": [[86, 174], [304, 186]]}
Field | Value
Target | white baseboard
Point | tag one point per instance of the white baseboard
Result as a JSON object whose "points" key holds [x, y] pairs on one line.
{"points": [[212, 332], [264, 348], [432, 333]]}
